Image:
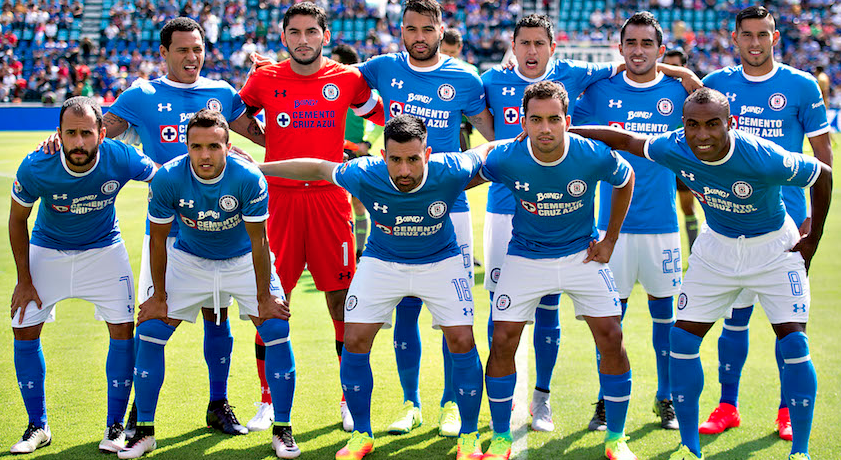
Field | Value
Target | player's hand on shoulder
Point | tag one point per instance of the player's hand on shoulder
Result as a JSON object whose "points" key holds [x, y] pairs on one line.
{"points": [[600, 251], [51, 145], [510, 63], [153, 308], [22, 295], [234, 150], [257, 61], [273, 307]]}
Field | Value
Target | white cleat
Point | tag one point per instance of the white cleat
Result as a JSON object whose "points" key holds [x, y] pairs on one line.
{"points": [[541, 412], [136, 448], [449, 420], [284, 444], [114, 439], [264, 418], [33, 438], [347, 419]]}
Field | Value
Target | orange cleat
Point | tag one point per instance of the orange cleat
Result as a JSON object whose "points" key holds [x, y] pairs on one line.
{"points": [[723, 417]]}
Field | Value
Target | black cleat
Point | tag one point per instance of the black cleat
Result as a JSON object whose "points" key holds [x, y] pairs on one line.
{"points": [[599, 421], [131, 423], [665, 409], [220, 415]]}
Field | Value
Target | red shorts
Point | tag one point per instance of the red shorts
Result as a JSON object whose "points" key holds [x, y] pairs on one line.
{"points": [[312, 227]]}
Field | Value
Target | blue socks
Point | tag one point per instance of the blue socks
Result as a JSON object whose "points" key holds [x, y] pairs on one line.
{"points": [[467, 376], [732, 353], [617, 395], [149, 367], [500, 396], [280, 366], [491, 321], [599, 355], [218, 344], [358, 383], [449, 393], [780, 366], [800, 386], [547, 340], [31, 371], [687, 383], [407, 347], [662, 319], [118, 370]]}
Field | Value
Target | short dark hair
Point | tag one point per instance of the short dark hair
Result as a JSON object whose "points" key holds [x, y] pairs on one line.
{"points": [[79, 106], [754, 12], [206, 118], [306, 9], [345, 54], [181, 24], [643, 18], [404, 128], [706, 95], [429, 8], [453, 37], [537, 21], [679, 53], [545, 90]]}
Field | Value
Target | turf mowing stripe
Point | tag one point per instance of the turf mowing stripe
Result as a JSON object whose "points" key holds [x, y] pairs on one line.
{"points": [[520, 415]]}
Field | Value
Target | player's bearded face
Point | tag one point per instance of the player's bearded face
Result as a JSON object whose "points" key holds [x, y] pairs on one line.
{"points": [[208, 150], [533, 48], [80, 139], [185, 56], [406, 163], [421, 36], [305, 39], [640, 49], [755, 39], [706, 127], [546, 123]]}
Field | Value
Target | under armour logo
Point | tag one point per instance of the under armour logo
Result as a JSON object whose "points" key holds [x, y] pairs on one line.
{"points": [[680, 398], [687, 175], [167, 107], [277, 375], [727, 367], [143, 374], [799, 308], [524, 185], [615, 302], [355, 388], [287, 376], [117, 383], [398, 84], [344, 275], [279, 93], [730, 97], [30, 384], [508, 90], [468, 393], [468, 311], [550, 341], [223, 360], [804, 403], [675, 281], [381, 207], [63, 196], [401, 345], [182, 202], [615, 103]]}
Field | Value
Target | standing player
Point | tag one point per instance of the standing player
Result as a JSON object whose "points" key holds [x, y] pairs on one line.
{"points": [[452, 45], [554, 248], [412, 250], [748, 243], [306, 99], [533, 45], [221, 250], [76, 251], [782, 105], [642, 100], [436, 88]]}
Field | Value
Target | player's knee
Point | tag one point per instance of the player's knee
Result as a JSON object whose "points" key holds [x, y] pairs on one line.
{"points": [[274, 331], [460, 341], [154, 331], [609, 339]]}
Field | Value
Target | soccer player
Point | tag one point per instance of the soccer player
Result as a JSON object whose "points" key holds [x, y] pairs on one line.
{"points": [[643, 100], [436, 88], [76, 251], [780, 104], [306, 99], [412, 251], [554, 247], [220, 250], [533, 44], [452, 45], [748, 243]]}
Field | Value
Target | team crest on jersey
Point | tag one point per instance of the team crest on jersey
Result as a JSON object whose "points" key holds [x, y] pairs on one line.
{"points": [[149, 196], [61, 208], [437, 210], [446, 92], [351, 303], [616, 124], [665, 106], [742, 189], [214, 104], [187, 221], [395, 108], [330, 91], [577, 188], [777, 101], [511, 115], [228, 203], [18, 188], [502, 302], [495, 275], [384, 228], [682, 301], [343, 168], [530, 207], [169, 134], [110, 187]]}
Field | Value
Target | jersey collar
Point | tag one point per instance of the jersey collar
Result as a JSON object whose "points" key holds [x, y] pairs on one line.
{"points": [[207, 181], [657, 79], [553, 163], [165, 80], [420, 186], [74, 173], [761, 78], [441, 60], [533, 80], [729, 153]]}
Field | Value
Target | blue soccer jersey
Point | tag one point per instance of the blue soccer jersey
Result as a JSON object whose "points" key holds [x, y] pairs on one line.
{"points": [[439, 95], [647, 108], [504, 92], [555, 201], [77, 209], [782, 107], [740, 193], [212, 211], [413, 227]]}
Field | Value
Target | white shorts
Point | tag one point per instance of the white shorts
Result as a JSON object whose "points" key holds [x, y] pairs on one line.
{"points": [[745, 299], [524, 281], [497, 235], [101, 276], [652, 259], [720, 268], [378, 286], [193, 281], [463, 224]]}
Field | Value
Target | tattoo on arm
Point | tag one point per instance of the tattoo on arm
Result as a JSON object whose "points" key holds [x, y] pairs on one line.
{"points": [[114, 125]]}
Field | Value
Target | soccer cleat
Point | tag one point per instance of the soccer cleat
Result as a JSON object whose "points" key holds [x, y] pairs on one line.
{"points": [[283, 443], [541, 412], [723, 417], [141, 443], [683, 453], [665, 409], [617, 449], [131, 423], [263, 419], [783, 423], [449, 421], [409, 419], [469, 447], [500, 448], [34, 437], [347, 419], [114, 439], [599, 420], [220, 416], [359, 445], [799, 456]]}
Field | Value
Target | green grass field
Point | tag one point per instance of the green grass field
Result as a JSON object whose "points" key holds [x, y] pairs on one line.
{"points": [[75, 349]]}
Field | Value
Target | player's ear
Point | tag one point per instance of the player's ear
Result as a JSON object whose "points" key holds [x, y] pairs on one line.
{"points": [[283, 39], [162, 49], [729, 122], [733, 38], [661, 52], [382, 152], [326, 37], [776, 37], [569, 122], [426, 154], [552, 46], [102, 132]]}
